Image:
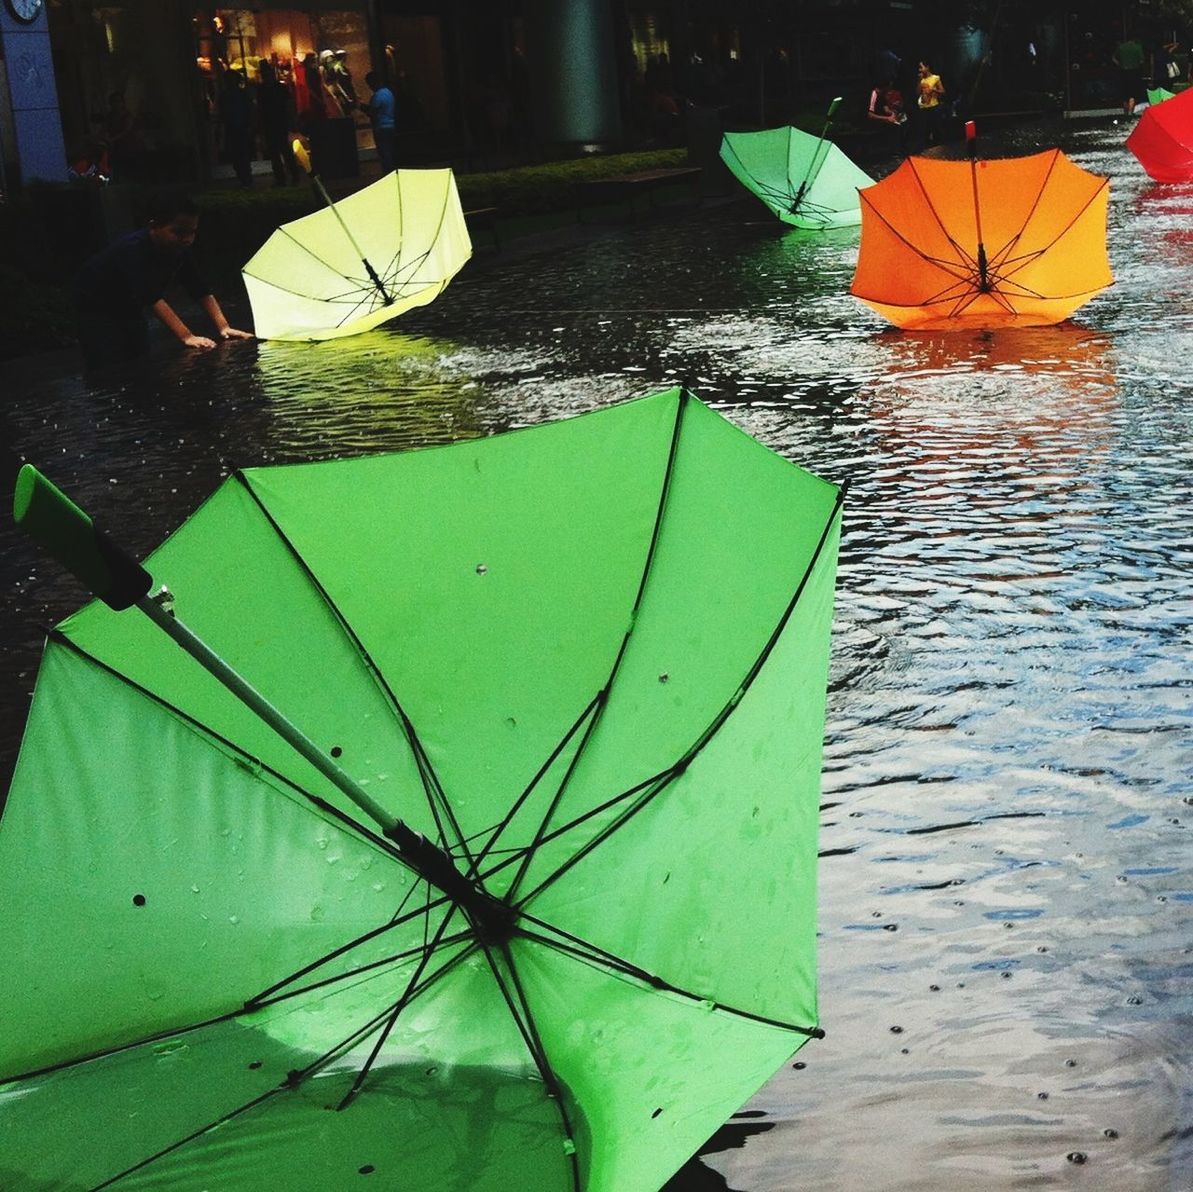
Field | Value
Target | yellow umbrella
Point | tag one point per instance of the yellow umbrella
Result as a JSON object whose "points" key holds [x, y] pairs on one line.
{"points": [[357, 263]]}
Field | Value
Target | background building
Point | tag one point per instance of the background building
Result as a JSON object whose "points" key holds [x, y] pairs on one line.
{"points": [[165, 88]]}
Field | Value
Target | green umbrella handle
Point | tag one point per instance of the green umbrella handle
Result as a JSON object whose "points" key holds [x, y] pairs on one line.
{"points": [[832, 107], [60, 527]]}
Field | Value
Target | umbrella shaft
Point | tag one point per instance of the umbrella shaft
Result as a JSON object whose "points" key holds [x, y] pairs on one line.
{"points": [[321, 190], [977, 204], [377, 282], [812, 167], [430, 861]]}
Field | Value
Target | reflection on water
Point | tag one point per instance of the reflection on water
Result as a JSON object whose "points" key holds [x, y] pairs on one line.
{"points": [[1007, 894]]}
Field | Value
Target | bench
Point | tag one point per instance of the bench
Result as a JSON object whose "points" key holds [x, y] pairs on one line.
{"points": [[484, 219], [628, 187]]}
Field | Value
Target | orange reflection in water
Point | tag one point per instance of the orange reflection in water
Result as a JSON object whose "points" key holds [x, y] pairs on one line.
{"points": [[1042, 400]]}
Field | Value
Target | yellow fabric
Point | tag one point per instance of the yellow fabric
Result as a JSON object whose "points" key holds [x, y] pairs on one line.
{"points": [[307, 281], [929, 95], [1043, 226]]}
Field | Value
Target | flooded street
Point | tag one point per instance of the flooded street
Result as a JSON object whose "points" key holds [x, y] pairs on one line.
{"points": [[1006, 909]]}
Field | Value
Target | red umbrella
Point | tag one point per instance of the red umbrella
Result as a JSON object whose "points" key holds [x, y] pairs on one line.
{"points": [[1163, 139]]}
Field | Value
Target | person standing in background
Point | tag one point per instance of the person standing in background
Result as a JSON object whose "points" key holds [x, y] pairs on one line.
{"points": [[1165, 70], [930, 91], [316, 102], [1128, 57], [276, 109], [236, 108], [383, 117], [886, 107], [122, 138]]}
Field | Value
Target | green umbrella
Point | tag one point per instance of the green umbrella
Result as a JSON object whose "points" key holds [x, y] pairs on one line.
{"points": [[468, 842], [805, 180], [1157, 95]]}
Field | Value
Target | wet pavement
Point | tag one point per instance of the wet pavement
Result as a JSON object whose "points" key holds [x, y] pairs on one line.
{"points": [[1007, 883]]}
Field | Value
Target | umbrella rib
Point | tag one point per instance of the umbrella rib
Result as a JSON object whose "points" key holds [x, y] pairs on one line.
{"points": [[292, 1081], [240, 755], [519, 1009], [181, 1142], [335, 298], [774, 190], [322, 805], [311, 253], [267, 995], [1035, 206], [597, 957], [813, 171], [965, 301], [961, 288], [439, 226], [572, 825], [432, 787], [603, 696], [965, 257], [103, 1053], [949, 267], [467, 936], [402, 1002], [373, 299], [396, 267], [1064, 231], [669, 776], [258, 1002], [518, 803]]}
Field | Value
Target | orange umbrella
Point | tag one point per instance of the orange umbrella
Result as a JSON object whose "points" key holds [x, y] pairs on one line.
{"points": [[1018, 241]]}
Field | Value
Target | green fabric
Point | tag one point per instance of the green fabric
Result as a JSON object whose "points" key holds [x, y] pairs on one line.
{"points": [[805, 180], [1129, 54], [1159, 94], [196, 912]]}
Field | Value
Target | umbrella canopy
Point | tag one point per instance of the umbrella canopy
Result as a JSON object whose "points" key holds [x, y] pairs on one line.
{"points": [[311, 279], [1162, 139], [1157, 95], [1018, 241], [566, 657], [805, 180]]}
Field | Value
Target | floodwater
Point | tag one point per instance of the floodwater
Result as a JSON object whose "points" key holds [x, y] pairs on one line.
{"points": [[1007, 880]]}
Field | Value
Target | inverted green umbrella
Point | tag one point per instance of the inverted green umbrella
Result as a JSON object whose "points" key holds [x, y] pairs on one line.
{"points": [[805, 180], [469, 841], [361, 261]]}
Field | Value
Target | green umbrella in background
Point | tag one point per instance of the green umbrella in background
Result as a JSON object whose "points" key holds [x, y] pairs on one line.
{"points": [[1157, 95], [468, 842], [805, 180]]}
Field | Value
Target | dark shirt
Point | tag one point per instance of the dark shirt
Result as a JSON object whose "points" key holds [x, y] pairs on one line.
{"points": [[276, 108], [129, 275]]}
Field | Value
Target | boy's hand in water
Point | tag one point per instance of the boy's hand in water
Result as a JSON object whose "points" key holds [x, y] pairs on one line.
{"points": [[198, 341], [232, 333]]}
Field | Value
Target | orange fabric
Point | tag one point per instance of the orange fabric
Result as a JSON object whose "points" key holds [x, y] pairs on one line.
{"points": [[1043, 225]]}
